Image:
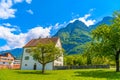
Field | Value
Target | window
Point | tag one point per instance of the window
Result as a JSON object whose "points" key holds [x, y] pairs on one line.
{"points": [[59, 59], [26, 57], [4, 58], [28, 51], [56, 64], [3, 62], [25, 64], [11, 59]]}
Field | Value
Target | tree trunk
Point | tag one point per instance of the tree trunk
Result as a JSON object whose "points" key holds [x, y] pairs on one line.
{"points": [[89, 59], [117, 61], [43, 68]]}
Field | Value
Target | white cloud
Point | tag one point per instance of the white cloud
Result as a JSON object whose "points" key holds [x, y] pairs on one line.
{"points": [[18, 1], [92, 9], [29, 1], [71, 21], [6, 47], [7, 24], [85, 19], [87, 22], [5, 9], [18, 41], [58, 25], [38, 32], [30, 11], [6, 32]]}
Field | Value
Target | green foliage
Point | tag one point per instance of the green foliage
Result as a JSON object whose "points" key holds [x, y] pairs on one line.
{"points": [[82, 74], [75, 60], [100, 60], [106, 40], [74, 35], [88, 59], [107, 37], [46, 53]]}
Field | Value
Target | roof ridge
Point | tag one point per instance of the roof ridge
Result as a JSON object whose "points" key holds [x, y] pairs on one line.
{"points": [[34, 42]]}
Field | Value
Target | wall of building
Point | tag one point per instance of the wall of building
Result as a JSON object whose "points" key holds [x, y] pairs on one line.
{"points": [[29, 64], [59, 61], [6, 61]]}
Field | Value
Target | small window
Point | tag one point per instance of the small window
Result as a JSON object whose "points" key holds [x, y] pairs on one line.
{"points": [[26, 57], [25, 64], [59, 59], [11, 59], [3, 62], [28, 50], [4, 59], [57, 64]]}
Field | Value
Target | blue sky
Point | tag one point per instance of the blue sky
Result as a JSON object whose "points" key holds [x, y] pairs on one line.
{"points": [[23, 20]]}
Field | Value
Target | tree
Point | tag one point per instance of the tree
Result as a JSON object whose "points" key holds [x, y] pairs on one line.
{"points": [[94, 57], [75, 60], [88, 52], [106, 39], [46, 53]]}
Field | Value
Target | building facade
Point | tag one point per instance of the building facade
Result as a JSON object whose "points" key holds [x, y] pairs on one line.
{"points": [[28, 63], [6, 60]]}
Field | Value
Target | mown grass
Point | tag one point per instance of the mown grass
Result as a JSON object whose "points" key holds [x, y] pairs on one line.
{"points": [[83, 74]]}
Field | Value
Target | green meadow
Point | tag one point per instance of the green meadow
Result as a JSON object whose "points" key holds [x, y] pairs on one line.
{"points": [[80, 74]]}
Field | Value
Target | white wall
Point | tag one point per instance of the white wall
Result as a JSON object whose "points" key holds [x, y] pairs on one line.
{"points": [[59, 61], [1, 62], [30, 63]]}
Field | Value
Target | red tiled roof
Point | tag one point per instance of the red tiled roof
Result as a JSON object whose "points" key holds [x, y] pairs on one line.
{"points": [[34, 42]]}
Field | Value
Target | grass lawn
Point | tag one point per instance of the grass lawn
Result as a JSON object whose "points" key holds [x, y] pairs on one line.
{"points": [[83, 74]]}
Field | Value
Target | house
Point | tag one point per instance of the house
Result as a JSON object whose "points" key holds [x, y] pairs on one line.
{"points": [[28, 63], [16, 64], [6, 60]]}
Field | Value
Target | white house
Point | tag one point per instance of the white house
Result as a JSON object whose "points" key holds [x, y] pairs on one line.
{"points": [[28, 63]]}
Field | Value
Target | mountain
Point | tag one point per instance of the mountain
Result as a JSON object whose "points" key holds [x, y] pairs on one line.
{"points": [[76, 34], [105, 20], [73, 37], [17, 53]]}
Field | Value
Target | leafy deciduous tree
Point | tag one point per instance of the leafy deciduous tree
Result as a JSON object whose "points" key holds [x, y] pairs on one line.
{"points": [[46, 53], [106, 39]]}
